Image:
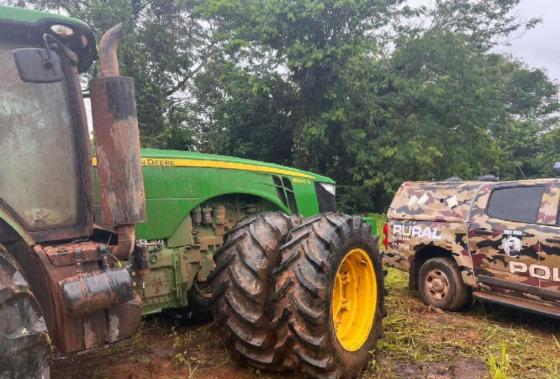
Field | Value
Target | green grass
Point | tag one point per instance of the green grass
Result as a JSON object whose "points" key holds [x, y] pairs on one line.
{"points": [[499, 367], [511, 344], [418, 342]]}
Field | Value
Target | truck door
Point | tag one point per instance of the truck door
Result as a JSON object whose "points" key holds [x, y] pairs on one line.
{"points": [[504, 235], [549, 253]]}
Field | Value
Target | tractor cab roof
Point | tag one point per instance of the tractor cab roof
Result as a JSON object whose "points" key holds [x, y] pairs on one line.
{"points": [[30, 25]]}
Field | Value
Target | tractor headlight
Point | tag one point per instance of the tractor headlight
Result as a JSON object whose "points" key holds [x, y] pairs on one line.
{"points": [[326, 196], [330, 188]]}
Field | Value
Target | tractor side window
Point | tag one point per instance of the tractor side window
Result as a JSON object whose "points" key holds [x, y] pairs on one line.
{"points": [[280, 189], [285, 192], [290, 194], [39, 177], [519, 204]]}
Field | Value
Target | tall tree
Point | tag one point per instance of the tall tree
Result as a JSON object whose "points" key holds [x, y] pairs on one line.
{"points": [[483, 24], [370, 92], [311, 43], [165, 45]]}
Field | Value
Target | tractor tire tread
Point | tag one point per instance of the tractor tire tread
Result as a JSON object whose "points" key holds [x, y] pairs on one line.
{"points": [[25, 349], [242, 285], [302, 292]]}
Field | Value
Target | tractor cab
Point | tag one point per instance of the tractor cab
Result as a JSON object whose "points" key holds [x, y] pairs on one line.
{"points": [[64, 280], [43, 135]]}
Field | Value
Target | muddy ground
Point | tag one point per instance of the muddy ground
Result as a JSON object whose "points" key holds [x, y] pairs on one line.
{"points": [[419, 342]]}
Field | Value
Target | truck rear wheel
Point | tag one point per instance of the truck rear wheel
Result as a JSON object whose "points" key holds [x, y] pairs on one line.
{"points": [[441, 285], [241, 285], [24, 342], [329, 296]]}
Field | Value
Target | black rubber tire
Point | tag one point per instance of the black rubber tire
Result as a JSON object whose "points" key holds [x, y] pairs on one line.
{"points": [[25, 350], [241, 285], [457, 295], [305, 278], [198, 311]]}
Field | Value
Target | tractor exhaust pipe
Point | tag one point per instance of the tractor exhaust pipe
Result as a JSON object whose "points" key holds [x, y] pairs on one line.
{"points": [[110, 42], [117, 140]]}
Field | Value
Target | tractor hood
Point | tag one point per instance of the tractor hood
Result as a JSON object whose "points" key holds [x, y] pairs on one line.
{"points": [[176, 158], [79, 37]]}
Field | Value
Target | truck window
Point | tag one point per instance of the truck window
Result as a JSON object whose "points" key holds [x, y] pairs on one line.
{"points": [[520, 204]]}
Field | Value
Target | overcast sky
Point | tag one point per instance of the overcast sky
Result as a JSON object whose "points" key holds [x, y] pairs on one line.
{"points": [[539, 47]]}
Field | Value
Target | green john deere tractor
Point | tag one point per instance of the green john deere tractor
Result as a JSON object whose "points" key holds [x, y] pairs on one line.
{"points": [[222, 234], [230, 235]]}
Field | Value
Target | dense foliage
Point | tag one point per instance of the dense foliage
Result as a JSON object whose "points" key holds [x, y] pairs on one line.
{"points": [[369, 92]]}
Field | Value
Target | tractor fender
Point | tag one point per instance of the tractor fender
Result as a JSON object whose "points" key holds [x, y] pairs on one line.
{"points": [[179, 229], [8, 224], [256, 194]]}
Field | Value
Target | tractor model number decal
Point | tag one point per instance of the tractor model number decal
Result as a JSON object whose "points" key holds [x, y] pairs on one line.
{"points": [[301, 180]]}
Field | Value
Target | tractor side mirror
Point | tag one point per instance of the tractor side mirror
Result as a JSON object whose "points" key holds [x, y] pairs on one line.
{"points": [[38, 65]]}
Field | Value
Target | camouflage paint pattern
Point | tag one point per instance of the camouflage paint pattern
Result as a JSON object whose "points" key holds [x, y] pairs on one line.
{"points": [[440, 206], [452, 217]]}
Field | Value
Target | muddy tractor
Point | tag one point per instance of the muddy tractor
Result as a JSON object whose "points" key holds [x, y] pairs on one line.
{"points": [[291, 284], [61, 281], [258, 247]]}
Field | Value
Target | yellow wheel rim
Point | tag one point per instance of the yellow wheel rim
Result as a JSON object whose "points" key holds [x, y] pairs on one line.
{"points": [[354, 299]]}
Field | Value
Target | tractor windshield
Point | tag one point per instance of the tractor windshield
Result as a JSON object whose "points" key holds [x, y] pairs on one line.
{"points": [[39, 178]]}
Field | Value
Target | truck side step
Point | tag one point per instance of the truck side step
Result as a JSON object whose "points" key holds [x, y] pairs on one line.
{"points": [[527, 305]]}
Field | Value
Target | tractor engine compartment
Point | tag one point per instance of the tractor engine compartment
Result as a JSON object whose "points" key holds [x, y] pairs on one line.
{"points": [[180, 265]]}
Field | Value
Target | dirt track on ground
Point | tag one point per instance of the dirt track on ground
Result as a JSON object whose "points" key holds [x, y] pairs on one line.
{"points": [[418, 342]]}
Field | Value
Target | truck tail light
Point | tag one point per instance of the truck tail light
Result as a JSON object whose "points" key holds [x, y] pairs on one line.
{"points": [[386, 235]]}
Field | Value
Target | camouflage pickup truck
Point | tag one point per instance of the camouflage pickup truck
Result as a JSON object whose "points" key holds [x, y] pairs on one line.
{"points": [[496, 241]]}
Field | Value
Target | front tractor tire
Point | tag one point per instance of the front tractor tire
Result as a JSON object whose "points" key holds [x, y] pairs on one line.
{"points": [[329, 296], [241, 284], [24, 342]]}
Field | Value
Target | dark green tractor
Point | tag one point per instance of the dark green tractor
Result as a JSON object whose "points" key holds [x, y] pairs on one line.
{"points": [[290, 283]]}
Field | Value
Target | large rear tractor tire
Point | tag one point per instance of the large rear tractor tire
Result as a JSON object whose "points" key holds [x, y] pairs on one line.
{"points": [[241, 285], [329, 296], [24, 342]]}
